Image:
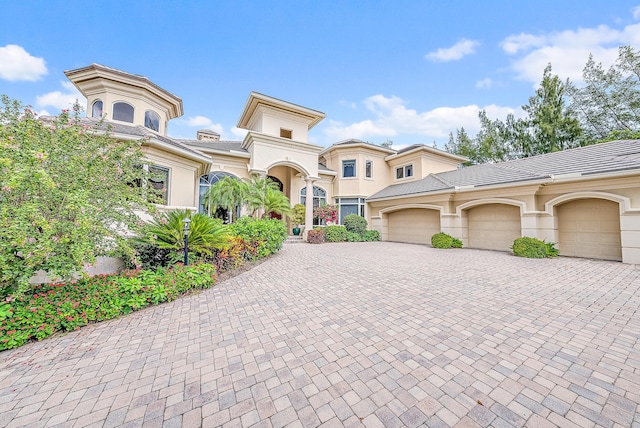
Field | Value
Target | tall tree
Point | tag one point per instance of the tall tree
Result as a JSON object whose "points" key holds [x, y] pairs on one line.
{"points": [[608, 106]]}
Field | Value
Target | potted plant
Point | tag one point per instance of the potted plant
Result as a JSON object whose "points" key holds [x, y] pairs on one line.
{"points": [[297, 217]]}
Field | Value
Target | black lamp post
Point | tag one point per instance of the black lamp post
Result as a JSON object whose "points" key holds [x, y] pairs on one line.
{"points": [[187, 223]]}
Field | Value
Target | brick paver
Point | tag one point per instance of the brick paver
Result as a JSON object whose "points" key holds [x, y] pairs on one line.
{"points": [[354, 334]]}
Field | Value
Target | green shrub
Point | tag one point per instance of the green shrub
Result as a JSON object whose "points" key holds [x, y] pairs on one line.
{"points": [[354, 237], [335, 234], [47, 308], [266, 234], [371, 235], [297, 214], [315, 236], [355, 223], [443, 240], [533, 248]]}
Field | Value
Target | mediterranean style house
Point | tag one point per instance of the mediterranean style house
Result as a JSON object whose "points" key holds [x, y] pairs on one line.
{"points": [[586, 200]]}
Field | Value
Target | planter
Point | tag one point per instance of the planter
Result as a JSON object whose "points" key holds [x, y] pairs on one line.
{"points": [[296, 231]]}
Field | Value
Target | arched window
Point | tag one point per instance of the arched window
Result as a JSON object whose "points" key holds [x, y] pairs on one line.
{"points": [[96, 109], [123, 112], [206, 181], [319, 198], [277, 181], [152, 120]]}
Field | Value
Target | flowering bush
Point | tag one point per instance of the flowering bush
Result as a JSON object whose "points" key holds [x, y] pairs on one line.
{"points": [[328, 213], [48, 308], [315, 236]]}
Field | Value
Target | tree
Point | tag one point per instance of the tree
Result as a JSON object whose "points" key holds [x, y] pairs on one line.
{"points": [[67, 195], [275, 202], [227, 193], [549, 125], [258, 190], [609, 104]]}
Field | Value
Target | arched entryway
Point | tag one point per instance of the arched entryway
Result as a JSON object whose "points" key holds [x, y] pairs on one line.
{"points": [[589, 228]]}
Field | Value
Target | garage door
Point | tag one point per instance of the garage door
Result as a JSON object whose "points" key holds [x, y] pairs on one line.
{"points": [[493, 226], [415, 225], [589, 228]]}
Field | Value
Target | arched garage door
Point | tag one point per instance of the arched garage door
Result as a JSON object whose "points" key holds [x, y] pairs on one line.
{"points": [[589, 228], [414, 225], [493, 226]]}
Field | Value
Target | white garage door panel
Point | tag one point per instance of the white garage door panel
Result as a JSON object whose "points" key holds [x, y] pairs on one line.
{"points": [[414, 226], [590, 228], [493, 226]]}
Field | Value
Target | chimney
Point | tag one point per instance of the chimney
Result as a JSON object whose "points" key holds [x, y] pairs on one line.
{"points": [[208, 135]]}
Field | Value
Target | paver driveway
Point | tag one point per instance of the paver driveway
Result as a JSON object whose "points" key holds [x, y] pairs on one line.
{"points": [[348, 334]]}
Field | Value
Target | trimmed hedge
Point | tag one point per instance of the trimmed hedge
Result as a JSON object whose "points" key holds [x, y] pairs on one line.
{"points": [[443, 240], [355, 224], [533, 248], [267, 234]]}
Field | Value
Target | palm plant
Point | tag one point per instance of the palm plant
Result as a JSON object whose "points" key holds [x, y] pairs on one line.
{"points": [[258, 190], [227, 193], [206, 234], [276, 202]]}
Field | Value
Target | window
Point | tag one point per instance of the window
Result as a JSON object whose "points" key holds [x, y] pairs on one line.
{"points": [[123, 112], [159, 183], [286, 133], [404, 171], [206, 181], [319, 198], [152, 120], [348, 206], [348, 168], [96, 109], [368, 169]]}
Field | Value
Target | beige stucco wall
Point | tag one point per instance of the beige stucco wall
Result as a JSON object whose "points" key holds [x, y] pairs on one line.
{"points": [[138, 100], [270, 121], [536, 203]]}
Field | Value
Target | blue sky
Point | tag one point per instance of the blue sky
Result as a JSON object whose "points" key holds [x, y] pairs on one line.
{"points": [[405, 71]]}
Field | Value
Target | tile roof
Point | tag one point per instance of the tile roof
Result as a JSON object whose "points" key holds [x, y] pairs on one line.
{"points": [[226, 146], [595, 159]]}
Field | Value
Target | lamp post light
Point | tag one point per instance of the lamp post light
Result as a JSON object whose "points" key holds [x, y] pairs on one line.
{"points": [[187, 224]]}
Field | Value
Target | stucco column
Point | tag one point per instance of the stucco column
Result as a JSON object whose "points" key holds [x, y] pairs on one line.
{"points": [[308, 214]]}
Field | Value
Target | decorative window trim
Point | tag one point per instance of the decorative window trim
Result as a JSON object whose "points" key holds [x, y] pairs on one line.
{"points": [[120, 116], [357, 202], [404, 171], [368, 169], [345, 164], [152, 118], [96, 112]]}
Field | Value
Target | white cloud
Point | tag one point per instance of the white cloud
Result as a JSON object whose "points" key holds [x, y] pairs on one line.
{"points": [[393, 118], [61, 100], [567, 51], [484, 83], [203, 122], [17, 64], [239, 132], [463, 48], [636, 12]]}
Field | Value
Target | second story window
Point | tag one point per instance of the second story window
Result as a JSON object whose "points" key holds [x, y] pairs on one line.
{"points": [[152, 120], [123, 112], [286, 133], [96, 109], [348, 168], [368, 169], [404, 171]]}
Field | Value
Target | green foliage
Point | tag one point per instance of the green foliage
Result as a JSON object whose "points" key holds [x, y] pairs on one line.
{"points": [[315, 236], [609, 102], [355, 223], [297, 214], [48, 308], [266, 234], [354, 237], [63, 188], [335, 233], [227, 193], [443, 240], [275, 202], [371, 236], [206, 234], [235, 254], [533, 248]]}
